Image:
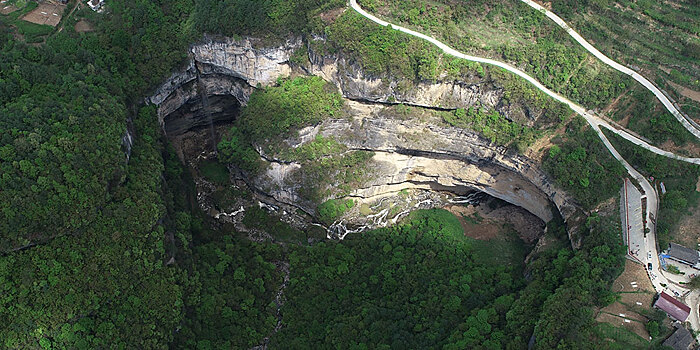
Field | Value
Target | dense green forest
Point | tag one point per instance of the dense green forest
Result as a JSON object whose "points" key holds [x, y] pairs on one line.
{"points": [[103, 245], [583, 166]]}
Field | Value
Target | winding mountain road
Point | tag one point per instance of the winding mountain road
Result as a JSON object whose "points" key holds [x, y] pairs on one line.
{"points": [[688, 124], [592, 119], [656, 275]]}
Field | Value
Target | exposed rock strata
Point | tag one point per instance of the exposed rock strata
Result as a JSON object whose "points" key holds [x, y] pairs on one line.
{"points": [[430, 155], [409, 153]]}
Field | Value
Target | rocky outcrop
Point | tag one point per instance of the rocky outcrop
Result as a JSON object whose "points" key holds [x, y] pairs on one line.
{"points": [[219, 68], [355, 84], [240, 59]]}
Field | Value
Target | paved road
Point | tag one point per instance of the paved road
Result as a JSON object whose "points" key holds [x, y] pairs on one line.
{"points": [[607, 60], [641, 143], [596, 122]]}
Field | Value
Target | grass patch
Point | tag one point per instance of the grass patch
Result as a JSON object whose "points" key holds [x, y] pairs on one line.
{"points": [[274, 113], [215, 172], [257, 217], [507, 249], [621, 338], [451, 226]]}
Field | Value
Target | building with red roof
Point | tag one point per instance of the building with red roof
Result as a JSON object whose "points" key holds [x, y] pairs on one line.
{"points": [[674, 308]]}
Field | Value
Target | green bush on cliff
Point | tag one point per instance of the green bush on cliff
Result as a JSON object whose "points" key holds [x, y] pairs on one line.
{"points": [[334, 208], [294, 103], [236, 149], [273, 113], [493, 126]]}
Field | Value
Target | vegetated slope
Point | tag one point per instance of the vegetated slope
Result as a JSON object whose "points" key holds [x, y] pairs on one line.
{"points": [[511, 31], [582, 165], [383, 53], [661, 38]]}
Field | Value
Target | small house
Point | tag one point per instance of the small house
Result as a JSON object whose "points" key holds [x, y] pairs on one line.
{"points": [[682, 254], [681, 339], [674, 308]]}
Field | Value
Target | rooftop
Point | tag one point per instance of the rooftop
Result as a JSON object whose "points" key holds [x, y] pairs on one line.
{"points": [[672, 307], [681, 339], [682, 253]]}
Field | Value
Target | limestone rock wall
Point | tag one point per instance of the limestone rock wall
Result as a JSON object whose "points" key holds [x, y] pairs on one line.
{"points": [[409, 153]]}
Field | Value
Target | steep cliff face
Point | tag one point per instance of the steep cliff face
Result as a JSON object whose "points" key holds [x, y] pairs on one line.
{"points": [[235, 67], [417, 154], [426, 154], [355, 84], [229, 68]]}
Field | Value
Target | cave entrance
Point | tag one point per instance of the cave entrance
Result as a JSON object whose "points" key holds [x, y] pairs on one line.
{"points": [[196, 127]]}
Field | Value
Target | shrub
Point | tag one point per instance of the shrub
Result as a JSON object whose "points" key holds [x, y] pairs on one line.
{"points": [[334, 208]]}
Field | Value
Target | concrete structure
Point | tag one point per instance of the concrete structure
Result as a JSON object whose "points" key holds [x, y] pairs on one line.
{"points": [[632, 221], [682, 254], [674, 308], [681, 339]]}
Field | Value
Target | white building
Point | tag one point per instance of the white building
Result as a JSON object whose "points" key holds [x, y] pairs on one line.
{"points": [[96, 5]]}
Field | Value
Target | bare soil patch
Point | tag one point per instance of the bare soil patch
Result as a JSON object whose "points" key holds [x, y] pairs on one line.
{"points": [[634, 272], [329, 17], [537, 149], [634, 326], [83, 26], [484, 230], [7, 9], [47, 13], [690, 148], [528, 227], [688, 233], [689, 93], [484, 223], [609, 207]]}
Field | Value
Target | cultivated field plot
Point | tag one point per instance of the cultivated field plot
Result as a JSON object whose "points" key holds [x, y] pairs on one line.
{"points": [[6, 7], [47, 13], [636, 296]]}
